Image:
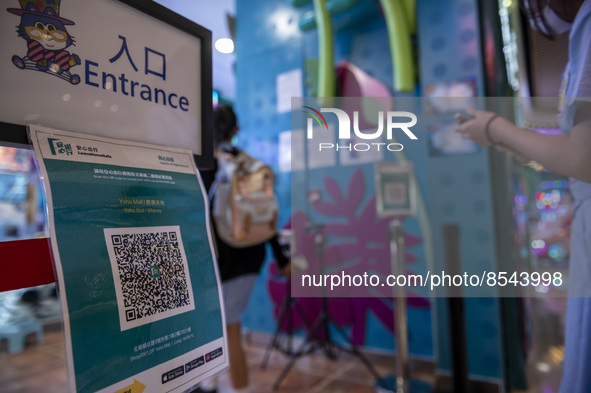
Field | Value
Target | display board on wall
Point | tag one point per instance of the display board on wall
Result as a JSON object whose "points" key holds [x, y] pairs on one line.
{"points": [[127, 69], [139, 284]]}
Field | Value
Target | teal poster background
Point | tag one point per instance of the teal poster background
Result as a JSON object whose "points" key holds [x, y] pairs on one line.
{"points": [[83, 207]]}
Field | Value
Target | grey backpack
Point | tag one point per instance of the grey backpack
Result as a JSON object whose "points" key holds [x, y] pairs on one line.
{"points": [[245, 208]]}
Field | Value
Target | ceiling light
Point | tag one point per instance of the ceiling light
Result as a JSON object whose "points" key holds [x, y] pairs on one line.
{"points": [[224, 45]]}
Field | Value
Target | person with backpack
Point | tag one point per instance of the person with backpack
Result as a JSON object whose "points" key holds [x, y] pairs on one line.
{"points": [[244, 215]]}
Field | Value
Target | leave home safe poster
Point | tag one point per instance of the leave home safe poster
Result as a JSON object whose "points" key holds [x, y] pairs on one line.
{"points": [[137, 277]]}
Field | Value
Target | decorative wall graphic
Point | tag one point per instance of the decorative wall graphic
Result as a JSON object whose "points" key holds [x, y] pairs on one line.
{"points": [[122, 81], [47, 39], [347, 312], [368, 249], [361, 239]]}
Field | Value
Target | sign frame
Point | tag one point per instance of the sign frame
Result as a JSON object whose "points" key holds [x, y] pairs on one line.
{"points": [[162, 174], [402, 176], [15, 135]]}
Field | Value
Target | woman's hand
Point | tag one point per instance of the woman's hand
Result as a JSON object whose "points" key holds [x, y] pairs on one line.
{"points": [[473, 127]]}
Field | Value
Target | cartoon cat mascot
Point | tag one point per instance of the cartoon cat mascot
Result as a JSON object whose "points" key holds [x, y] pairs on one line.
{"points": [[47, 38]]}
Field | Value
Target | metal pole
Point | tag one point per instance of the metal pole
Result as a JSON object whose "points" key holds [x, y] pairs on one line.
{"points": [[457, 318], [319, 240], [397, 261]]}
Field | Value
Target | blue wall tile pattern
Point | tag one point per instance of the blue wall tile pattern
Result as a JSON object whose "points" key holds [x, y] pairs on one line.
{"points": [[448, 49]]}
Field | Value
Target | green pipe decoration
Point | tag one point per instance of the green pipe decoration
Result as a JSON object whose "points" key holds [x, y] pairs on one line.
{"points": [[326, 74], [400, 45], [411, 14], [307, 20]]}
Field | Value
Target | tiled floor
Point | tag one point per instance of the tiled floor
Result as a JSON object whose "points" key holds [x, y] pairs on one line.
{"points": [[42, 369], [39, 368]]}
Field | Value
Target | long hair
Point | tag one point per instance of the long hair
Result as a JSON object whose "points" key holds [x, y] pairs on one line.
{"points": [[224, 123], [533, 10]]}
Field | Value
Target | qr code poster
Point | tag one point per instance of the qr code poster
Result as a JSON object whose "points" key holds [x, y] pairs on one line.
{"points": [[395, 194], [135, 264], [150, 273]]}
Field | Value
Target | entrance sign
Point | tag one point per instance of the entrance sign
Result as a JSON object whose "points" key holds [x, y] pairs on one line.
{"points": [[127, 69], [134, 262]]}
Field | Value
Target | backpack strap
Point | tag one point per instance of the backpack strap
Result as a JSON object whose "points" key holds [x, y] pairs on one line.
{"points": [[213, 189], [222, 154]]}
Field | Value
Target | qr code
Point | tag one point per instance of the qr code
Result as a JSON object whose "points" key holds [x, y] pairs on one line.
{"points": [[150, 273], [395, 194]]}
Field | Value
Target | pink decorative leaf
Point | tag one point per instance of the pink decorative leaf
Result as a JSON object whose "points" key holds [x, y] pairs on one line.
{"points": [[384, 313], [410, 257], [411, 240], [357, 244], [355, 191], [277, 291], [333, 189], [340, 230], [416, 300], [274, 269], [368, 214], [329, 209], [332, 256]]}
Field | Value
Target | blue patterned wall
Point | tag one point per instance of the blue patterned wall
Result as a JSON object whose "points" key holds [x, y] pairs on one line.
{"points": [[262, 54], [459, 186], [268, 43]]}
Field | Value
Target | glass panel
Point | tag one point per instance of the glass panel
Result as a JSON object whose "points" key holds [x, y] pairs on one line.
{"points": [[22, 202]]}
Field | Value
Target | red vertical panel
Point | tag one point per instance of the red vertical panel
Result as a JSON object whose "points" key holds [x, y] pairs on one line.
{"points": [[25, 263]]}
